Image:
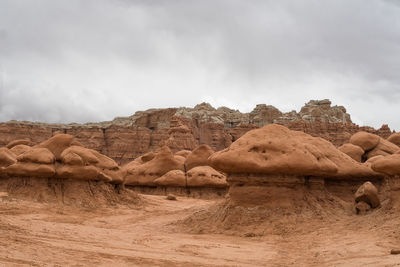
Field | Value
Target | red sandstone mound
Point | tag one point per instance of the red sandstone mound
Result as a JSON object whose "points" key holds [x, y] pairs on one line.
{"points": [[389, 165], [275, 149], [373, 145], [205, 176], [59, 157], [184, 153], [172, 178], [394, 138], [146, 173], [198, 157], [6, 157], [19, 142], [57, 144], [355, 152], [19, 149]]}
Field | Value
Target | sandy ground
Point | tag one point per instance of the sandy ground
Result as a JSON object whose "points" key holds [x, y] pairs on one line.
{"points": [[42, 234]]}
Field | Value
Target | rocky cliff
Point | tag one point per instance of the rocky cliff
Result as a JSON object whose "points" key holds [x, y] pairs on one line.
{"points": [[125, 138]]}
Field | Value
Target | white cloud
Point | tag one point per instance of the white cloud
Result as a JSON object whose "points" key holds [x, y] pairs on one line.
{"points": [[94, 60]]}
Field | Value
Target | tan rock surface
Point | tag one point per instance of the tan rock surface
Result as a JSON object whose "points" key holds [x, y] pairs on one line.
{"points": [[19, 142], [367, 193], [6, 157], [275, 149], [199, 157], [146, 173], [172, 178], [37, 155], [355, 152], [19, 149], [205, 176], [366, 141]]}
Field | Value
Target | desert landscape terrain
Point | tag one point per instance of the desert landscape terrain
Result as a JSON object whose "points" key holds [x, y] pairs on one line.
{"points": [[270, 194]]}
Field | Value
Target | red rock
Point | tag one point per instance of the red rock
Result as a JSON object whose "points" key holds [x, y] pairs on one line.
{"points": [[394, 138], [19, 149], [86, 154], [389, 165], [80, 172], [199, 157], [57, 144], [172, 178], [366, 141], [71, 158], [146, 173], [184, 153], [275, 149], [29, 169], [7, 157], [37, 155], [19, 142], [205, 176], [355, 152], [367, 193]]}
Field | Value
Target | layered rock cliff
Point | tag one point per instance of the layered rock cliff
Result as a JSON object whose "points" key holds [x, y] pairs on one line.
{"points": [[125, 138]]}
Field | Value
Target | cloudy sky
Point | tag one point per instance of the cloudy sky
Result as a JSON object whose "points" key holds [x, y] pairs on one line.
{"points": [[92, 60]]}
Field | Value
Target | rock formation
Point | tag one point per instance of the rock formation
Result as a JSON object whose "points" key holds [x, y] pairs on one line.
{"points": [[367, 193], [274, 155], [124, 139], [58, 157]]}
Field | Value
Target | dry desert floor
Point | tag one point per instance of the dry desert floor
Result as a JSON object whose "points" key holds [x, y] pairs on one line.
{"points": [[45, 234]]}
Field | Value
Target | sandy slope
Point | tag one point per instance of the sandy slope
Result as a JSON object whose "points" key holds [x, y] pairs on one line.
{"points": [[38, 234]]}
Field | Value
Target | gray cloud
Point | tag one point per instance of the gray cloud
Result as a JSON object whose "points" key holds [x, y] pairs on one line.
{"points": [[64, 61]]}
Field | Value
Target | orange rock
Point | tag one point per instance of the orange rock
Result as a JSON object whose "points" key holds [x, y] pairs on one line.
{"points": [[394, 138], [199, 157], [79, 172], [29, 169], [388, 165], [366, 141], [57, 144], [146, 173], [275, 149], [37, 155], [71, 158], [19, 142], [205, 176], [183, 153], [383, 148], [367, 193], [19, 149], [355, 152], [86, 154], [147, 157], [172, 178], [7, 157]]}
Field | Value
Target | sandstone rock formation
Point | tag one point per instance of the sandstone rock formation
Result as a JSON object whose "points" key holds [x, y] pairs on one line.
{"points": [[198, 157], [355, 152], [274, 165], [172, 178], [367, 193], [146, 173], [205, 176], [373, 145], [394, 138], [389, 165], [58, 157], [275, 149], [126, 138]]}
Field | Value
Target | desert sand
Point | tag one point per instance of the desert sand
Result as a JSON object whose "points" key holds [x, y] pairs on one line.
{"points": [[152, 233]]}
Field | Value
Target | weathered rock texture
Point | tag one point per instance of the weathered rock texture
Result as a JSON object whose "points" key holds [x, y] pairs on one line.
{"points": [[124, 139], [274, 164]]}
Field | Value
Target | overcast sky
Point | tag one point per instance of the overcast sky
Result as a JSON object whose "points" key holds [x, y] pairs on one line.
{"points": [[93, 60]]}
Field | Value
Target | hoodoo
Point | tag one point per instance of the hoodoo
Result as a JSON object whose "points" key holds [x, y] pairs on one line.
{"points": [[276, 165]]}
